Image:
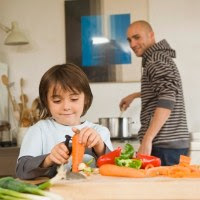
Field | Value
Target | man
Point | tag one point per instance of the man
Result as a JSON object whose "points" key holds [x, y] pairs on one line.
{"points": [[163, 131]]}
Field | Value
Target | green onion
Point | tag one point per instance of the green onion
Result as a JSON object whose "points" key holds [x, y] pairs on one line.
{"points": [[61, 175], [6, 197], [14, 185], [13, 195]]}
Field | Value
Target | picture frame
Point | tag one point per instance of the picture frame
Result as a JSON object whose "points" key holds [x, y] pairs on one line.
{"points": [[96, 38]]}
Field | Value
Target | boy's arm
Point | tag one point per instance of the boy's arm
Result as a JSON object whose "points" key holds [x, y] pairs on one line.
{"points": [[29, 167]]}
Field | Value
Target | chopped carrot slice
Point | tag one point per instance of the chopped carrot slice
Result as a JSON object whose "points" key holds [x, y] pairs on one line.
{"points": [[184, 160]]}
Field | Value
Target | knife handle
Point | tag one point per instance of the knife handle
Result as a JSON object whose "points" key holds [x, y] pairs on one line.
{"points": [[67, 139]]}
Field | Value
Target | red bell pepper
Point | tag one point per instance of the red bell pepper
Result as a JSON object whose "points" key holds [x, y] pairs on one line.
{"points": [[148, 160], [109, 158]]}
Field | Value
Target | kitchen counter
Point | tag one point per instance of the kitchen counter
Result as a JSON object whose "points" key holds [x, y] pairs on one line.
{"points": [[98, 187]]}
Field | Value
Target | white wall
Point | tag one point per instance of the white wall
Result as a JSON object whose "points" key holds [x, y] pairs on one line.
{"points": [[43, 23]]}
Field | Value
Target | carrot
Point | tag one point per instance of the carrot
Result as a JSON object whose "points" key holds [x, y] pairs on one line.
{"points": [[184, 160], [114, 170], [148, 166], [157, 171], [178, 171], [78, 151]]}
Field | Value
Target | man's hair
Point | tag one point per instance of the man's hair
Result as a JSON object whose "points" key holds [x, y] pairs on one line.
{"points": [[70, 78], [144, 24]]}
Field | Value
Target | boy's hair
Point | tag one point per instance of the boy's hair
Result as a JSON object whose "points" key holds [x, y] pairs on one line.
{"points": [[71, 78]]}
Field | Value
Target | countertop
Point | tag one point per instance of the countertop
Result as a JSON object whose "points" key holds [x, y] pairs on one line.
{"points": [[98, 187]]}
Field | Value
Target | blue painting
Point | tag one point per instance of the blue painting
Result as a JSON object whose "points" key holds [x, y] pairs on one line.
{"points": [[100, 49]]}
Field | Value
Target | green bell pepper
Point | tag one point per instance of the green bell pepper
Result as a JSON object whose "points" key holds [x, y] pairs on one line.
{"points": [[127, 152], [133, 163]]}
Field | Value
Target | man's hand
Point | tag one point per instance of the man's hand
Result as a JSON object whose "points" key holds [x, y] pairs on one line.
{"points": [[145, 147], [126, 101]]}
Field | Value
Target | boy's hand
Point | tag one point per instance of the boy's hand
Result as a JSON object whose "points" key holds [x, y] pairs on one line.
{"points": [[91, 139], [59, 155]]}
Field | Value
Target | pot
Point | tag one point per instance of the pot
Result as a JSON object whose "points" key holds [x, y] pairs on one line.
{"points": [[120, 127]]}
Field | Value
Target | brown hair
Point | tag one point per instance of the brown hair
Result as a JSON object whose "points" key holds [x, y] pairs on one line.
{"points": [[71, 78]]}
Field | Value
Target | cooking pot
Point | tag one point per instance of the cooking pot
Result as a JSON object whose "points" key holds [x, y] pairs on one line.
{"points": [[120, 127]]}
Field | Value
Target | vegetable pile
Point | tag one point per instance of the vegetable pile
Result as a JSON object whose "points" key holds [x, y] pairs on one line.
{"points": [[126, 158], [13, 189], [123, 164]]}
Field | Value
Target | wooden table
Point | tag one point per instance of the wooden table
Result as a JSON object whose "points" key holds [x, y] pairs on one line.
{"points": [[98, 187]]}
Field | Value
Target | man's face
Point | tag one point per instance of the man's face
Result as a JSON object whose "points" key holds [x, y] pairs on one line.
{"points": [[139, 39]]}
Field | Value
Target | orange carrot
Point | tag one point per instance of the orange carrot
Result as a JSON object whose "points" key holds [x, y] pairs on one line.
{"points": [[114, 170], [78, 151], [148, 166], [157, 171], [184, 160], [178, 171]]}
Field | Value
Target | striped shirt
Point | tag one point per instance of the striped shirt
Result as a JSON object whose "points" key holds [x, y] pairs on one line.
{"points": [[161, 87]]}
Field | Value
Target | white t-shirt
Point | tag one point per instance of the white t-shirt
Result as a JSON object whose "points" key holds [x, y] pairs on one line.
{"points": [[45, 134]]}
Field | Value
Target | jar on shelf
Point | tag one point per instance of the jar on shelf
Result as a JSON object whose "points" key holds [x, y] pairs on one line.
{"points": [[5, 134]]}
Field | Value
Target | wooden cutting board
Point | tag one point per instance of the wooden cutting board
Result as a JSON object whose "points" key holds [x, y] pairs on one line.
{"points": [[97, 187]]}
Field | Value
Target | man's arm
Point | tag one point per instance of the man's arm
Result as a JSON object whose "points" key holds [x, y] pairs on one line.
{"points": [[126, 101], [160, 117]]}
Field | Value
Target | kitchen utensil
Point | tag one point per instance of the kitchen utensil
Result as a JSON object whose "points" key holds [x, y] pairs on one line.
{"points": [[72, 175], [35, 110], [25, 122], [121, 112], [120, 127], [26, 112], [24, 99], [5, 134], [35, 104], [5, 81], [68, 145]]}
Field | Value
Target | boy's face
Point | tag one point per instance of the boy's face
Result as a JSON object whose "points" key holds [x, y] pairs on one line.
{"points": [[66, 107]]}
